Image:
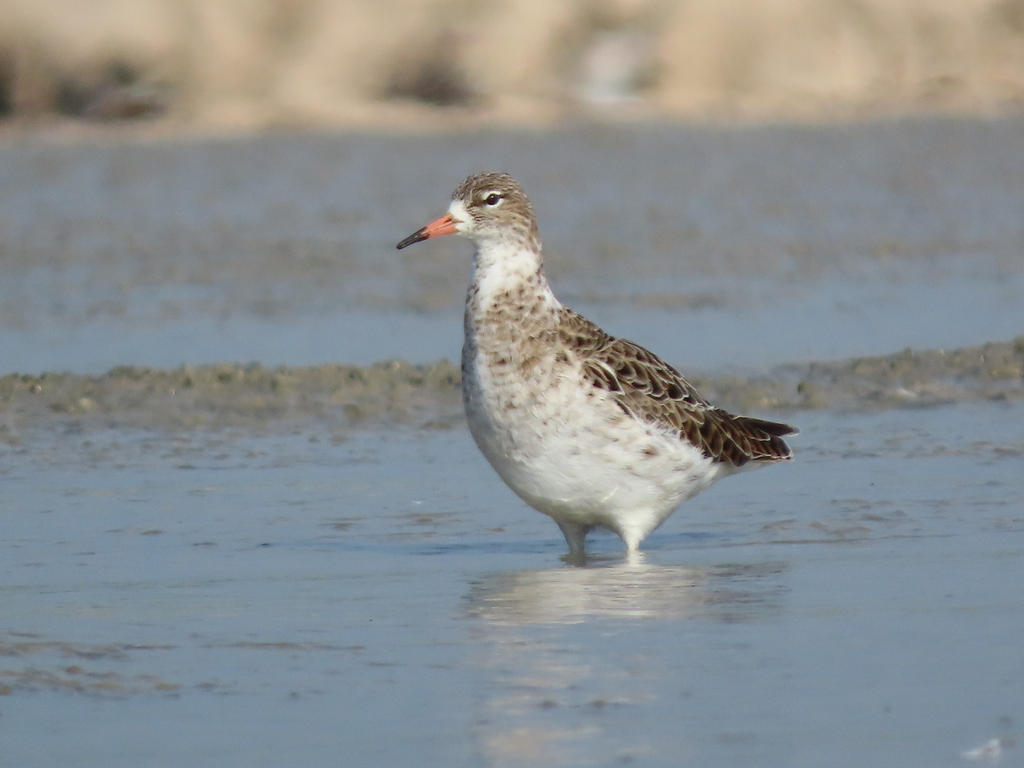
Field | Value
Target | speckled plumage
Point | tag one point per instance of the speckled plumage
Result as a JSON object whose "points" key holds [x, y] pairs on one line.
{"points": [[586, 428]]}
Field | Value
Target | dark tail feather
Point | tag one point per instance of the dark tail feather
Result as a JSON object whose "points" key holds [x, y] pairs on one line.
{"points": [[765, 440], [774, 428]]}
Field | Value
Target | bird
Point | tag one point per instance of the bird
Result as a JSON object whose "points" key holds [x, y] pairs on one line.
{"points": [[589, 429]]}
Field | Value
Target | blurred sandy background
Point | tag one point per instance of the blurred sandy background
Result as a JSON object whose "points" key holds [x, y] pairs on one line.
{"points": [[406, 64]]}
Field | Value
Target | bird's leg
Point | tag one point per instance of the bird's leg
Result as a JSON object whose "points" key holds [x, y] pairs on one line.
{"points": [[576, 537]]}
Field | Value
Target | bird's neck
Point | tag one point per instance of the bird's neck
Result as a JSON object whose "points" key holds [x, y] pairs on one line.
{"points": [[508, 281]]}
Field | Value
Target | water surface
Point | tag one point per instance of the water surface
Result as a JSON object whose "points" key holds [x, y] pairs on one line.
{"points": [[249, 565], [237, 600], [719, 248]]}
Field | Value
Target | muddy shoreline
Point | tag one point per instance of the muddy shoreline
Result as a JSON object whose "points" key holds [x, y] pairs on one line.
{"points": [[262, 398]]}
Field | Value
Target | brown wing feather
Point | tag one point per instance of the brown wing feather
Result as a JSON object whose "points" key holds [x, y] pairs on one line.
{"points": [[650, 389]]}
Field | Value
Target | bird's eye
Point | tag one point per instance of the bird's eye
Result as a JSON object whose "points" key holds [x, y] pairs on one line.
{"points": [[492, 199]]}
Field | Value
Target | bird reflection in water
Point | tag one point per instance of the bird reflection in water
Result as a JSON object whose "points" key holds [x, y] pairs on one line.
{"points": [[579, 661]]}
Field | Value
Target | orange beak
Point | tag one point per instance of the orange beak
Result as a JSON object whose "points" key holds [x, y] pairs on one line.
{"points": [[442, 226]]}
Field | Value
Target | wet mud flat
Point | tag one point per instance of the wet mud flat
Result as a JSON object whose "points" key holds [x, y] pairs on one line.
{"points": [[339, 397], [229, 395]]}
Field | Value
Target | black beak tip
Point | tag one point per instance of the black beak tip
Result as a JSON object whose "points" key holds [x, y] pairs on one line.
{"points": [[415, 237]]}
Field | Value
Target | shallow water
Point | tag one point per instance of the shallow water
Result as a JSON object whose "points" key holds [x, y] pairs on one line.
{"points": [[250, 565], [226, 599], [719, 248]]}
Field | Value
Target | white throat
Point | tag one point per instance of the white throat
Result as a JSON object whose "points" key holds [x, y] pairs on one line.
{"points": [[504, 263]]}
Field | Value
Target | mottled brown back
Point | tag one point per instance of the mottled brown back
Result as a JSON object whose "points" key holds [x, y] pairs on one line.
{"points": [[651, 390]]}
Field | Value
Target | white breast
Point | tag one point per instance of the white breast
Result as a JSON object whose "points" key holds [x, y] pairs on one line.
{"points": [[568, 450]]}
